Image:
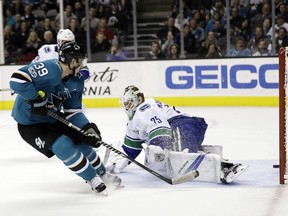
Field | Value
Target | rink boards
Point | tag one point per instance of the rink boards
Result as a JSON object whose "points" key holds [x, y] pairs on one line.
{"points": [[208, 82]]}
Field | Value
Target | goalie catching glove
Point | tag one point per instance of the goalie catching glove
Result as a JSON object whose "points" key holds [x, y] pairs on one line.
{"points": [[92, 135], [155, 157]]}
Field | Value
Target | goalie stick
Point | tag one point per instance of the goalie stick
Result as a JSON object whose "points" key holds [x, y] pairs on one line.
{"points": [[172, 181]]}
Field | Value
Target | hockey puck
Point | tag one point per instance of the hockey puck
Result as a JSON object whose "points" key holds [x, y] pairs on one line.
{"points": [[275, 166]]}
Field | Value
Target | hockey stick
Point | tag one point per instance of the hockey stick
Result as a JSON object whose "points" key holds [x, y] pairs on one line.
{"points": [[187, 177], [106, 156], [5, 89]]}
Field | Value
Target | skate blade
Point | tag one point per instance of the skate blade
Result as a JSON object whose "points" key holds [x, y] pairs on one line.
{"points": [[231, 178]]}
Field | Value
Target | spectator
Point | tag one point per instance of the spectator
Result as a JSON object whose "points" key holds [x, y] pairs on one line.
{"points": [[262, 49], [204, 17], [280, 22], [211, 23], [189, 40], [74, 27], [67, 15], [17, 7], [281, 39], [163, 32], [266, 27], [9, 18], [155, 52], [28, 16], [219, 30], [166, 45], [283, 11], [47, 26], [79, 11], [108, 32], [48, 38], [116, 19], [100, 11], [93, 20], [21, 36], [9, 38], [258, 19], [17, 24], [240, 49], [211, 39], [212, 52], [253, 43], [174, 52], [198, 32], [115, 53], [245, 30], [236, 19], [100, 44], [178, 21], [30, 50]]}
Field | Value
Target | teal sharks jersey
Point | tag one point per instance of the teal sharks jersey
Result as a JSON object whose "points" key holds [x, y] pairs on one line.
{"points": [[64, 94]]}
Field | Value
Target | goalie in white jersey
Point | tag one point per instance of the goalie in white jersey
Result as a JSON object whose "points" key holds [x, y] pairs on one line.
{"points": [[50, 51], [172, 141]]}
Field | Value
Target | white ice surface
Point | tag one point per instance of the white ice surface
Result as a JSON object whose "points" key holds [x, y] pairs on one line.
{"points": [[32, 185]]}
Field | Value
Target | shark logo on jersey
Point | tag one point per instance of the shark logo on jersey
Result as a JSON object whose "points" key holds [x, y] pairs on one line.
{"points": [[39, 142], [57, 100]]}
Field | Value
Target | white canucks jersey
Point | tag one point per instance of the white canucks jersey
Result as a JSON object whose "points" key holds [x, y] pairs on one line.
{"points": [[149, 123], [47, 51]]}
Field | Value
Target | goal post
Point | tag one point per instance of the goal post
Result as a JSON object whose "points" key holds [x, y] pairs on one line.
{"points": [[283, 122]]}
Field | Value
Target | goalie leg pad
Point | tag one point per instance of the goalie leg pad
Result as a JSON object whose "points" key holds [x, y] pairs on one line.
{"points": [[214, 149], [208, 165]]}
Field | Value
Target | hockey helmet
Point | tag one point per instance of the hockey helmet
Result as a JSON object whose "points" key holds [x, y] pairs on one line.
{"points": [[130, 100], [71, 50], [64, 35]]}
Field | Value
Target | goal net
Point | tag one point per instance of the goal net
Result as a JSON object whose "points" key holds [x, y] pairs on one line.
{"points": [[283, 121]]}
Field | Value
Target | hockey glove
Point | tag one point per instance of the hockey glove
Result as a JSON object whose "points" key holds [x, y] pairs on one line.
{"points": [[155, 157], [93, 135], [39, 105]]}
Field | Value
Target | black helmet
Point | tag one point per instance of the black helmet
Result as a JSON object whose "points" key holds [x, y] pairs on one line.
{"points": [[71, 50]]}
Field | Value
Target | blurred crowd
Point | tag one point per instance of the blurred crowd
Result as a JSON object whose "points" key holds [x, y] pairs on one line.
{"points": [[204, 29], [30, 24]]}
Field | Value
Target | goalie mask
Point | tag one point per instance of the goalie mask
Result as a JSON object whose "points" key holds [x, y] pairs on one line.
{"points": [[65, 35], [130, 100], [69, 51]]}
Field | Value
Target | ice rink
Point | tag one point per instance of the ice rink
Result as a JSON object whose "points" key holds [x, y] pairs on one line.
{"points": [[32, 185]]}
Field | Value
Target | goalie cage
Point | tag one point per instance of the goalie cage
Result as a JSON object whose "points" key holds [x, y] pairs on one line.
{"points": [[283, 121]]}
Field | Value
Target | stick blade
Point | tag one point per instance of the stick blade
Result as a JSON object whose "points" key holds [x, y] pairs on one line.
{"points": [[187, 177]]}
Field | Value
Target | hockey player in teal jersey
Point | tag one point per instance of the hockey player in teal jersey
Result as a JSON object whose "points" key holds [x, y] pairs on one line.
{"points": [[57, 85]]}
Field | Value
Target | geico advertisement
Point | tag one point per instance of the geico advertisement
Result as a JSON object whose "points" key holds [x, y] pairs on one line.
{"points": [[227, 77], [221, 77]]}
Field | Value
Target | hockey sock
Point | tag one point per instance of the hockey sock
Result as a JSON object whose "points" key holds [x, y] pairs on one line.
{"points": [[66, 151]]}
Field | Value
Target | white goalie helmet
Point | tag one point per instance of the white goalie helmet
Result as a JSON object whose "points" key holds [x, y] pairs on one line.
{"points": [[130, 100], [65, 35]]}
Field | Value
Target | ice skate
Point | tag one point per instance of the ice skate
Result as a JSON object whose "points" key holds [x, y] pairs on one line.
{"points": [[98, 185], [231, 171], [112, 179]]}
